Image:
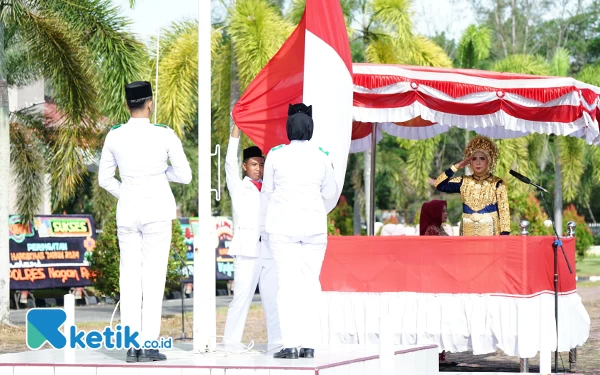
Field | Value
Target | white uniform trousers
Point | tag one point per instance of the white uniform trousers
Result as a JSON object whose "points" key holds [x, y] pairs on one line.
{"points": [[250, 272], [143, 271], [299, 261]]}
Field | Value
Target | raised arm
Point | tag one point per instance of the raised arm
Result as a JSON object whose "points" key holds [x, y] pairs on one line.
{"points": [[179, 170], [503, 208], [232, 171], [106, 170], [445, 183]]}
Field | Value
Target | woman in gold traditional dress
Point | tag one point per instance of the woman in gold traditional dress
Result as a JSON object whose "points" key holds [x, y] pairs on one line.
{"points": [[484, 196]]}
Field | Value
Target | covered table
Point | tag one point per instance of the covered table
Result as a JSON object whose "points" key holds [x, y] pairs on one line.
{"points": [[474, 294]]}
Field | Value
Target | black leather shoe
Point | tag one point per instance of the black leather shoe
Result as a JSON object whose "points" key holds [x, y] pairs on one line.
{"points": [[307, 353], [287, 353], [132, 355], [150, 355]]}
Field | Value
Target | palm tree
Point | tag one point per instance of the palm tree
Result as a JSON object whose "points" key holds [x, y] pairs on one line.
{"points": [[85, 55]]}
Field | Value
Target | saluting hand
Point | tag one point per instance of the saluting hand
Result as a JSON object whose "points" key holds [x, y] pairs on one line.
{"points": [[462, 164]]}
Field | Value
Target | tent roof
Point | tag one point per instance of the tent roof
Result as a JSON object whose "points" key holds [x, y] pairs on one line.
{"points": [[420, 102]]}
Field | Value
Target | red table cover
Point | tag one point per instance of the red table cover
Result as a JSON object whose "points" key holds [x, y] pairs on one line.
{"points": [[520, 266]]}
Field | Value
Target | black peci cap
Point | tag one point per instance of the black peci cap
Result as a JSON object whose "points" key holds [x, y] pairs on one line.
{"points": [[252, 152], [138, 90]]}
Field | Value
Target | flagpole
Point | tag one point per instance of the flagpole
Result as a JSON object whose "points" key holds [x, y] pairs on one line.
{"points": [[205, 327]]}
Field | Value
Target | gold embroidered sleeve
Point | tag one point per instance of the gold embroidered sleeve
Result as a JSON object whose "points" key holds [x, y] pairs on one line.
{"points": [[445, 183], [503, 207]]}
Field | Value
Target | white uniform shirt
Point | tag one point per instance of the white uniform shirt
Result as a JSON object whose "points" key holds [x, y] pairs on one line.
{"points": [[297, 179], [141, 151], [248, 215]]}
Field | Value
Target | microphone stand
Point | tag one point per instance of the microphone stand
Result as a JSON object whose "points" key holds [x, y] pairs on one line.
{"points": [[555, 244], [181, 261]]}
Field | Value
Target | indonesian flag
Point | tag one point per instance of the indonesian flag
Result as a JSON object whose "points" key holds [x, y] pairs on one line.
{"points": [[314, 66]]}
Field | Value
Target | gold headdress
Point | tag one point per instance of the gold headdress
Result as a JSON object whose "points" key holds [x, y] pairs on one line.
{"points": [[483, 144]]}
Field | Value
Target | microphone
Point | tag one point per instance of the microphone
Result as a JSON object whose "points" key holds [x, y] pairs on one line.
{"points": [[526, 180]]}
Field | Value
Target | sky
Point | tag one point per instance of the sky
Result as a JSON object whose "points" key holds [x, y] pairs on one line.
{"points": [[430, 16]]}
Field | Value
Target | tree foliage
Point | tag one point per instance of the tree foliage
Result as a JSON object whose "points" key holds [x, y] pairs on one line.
{"points": [[85, 55]]}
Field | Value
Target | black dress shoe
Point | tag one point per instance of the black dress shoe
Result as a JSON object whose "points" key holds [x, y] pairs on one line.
{"points": [[150, 355], [287, 353], [307, 353], [132, 355]]}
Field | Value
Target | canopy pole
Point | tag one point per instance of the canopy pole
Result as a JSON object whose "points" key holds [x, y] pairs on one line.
{"points": [[205, 327], [371, 228]]}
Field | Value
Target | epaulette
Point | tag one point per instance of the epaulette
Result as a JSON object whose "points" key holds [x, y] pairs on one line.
{"points": [[277, 147], [116, 127], [323, 151], [162, 126]]}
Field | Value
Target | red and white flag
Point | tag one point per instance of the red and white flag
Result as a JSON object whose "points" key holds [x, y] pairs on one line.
{"points": [[314, 66]]}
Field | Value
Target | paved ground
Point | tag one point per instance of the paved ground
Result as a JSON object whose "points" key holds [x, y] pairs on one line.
{"points": [[102, 313]]}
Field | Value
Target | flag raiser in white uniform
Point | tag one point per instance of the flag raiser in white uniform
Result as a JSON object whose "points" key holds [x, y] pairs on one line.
{"points": [[145, 210], [298, 181], [254, 264]]}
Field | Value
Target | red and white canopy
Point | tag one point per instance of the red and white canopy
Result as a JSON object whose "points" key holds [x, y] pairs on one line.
{"points": [[420, 102]]}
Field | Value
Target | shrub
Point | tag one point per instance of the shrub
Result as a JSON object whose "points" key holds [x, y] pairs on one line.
{"points": [[342, 218], [583, 235]]}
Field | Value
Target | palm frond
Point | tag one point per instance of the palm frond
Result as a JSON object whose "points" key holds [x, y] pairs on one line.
{"points": [[419, 163], [560, 64], [590, 74], [474, 45], [594, 157], [391, 166], [539, 153], [523, 64], [21, 69], [178, 82], [295, 12], [119, 59], [257, 31], [588, 179], [72, 84], [382, 51], [27, 163], [221, 92], [49, 39], [571, 158], [396, 16], [425, 52], [513, 155]]}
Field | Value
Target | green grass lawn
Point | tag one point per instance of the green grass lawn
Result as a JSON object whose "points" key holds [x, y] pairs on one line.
{"points": [[589, 266]]}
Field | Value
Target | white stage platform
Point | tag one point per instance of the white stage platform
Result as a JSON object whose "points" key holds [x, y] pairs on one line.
{"points": [[333, 360]]}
